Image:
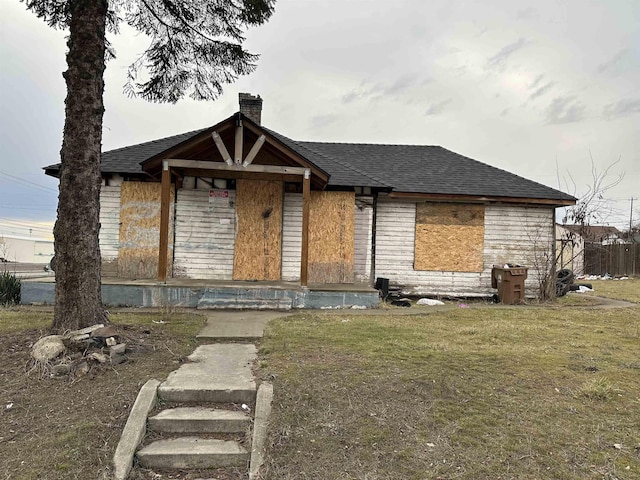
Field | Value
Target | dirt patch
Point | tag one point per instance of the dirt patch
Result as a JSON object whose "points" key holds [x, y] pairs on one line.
{"points": [[68, 427]]}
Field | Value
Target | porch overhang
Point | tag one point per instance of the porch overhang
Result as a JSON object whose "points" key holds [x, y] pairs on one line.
{"points": [[237, 134], [207, 155]]}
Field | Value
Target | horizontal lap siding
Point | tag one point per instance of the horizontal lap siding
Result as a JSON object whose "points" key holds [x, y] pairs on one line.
{"points": [[109, 222], [512, 234], [519, 235], [204, 246], [291, 236], [362, 239]]}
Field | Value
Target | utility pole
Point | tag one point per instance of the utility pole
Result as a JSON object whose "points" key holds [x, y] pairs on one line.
{"points": [[631, 215]]}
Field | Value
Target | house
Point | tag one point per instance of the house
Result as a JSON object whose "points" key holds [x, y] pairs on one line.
{"points": [[240, 202], [600, 234]]}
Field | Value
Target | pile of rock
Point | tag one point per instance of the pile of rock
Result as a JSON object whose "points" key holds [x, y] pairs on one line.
{"points": [[76, 352]]}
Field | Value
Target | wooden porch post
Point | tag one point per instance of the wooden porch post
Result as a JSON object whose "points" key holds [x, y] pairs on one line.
{"points": [[306, 199], [165, 199]]}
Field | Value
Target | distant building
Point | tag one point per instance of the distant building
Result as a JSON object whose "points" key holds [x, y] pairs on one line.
{"points": [[601, 234], [18, 249]]}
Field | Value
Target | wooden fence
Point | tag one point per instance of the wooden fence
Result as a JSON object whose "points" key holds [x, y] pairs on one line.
{"points": [[621, 259]]}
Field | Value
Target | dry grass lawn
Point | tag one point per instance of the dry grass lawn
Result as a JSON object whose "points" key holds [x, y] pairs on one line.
{"points": [[487, 392], [619, 289]]}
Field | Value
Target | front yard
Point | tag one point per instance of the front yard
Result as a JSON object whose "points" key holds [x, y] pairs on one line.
{"points": [[487, 392]]}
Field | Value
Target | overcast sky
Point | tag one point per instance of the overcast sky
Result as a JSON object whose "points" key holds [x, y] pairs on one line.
{"points": [[537, 88]]}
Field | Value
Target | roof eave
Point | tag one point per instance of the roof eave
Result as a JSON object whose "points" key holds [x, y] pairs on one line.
{"points": [[440, 197]]}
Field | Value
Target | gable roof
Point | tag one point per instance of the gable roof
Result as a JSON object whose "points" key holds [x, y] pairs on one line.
{"points": [[411, 169]]}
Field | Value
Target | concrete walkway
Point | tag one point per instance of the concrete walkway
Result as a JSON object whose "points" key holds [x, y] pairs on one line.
{"points": [[213, 394], [244, 326]]}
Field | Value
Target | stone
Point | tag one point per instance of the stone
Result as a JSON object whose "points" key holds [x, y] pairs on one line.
{"points": [[98, 357], [118, 349], [117, 359], [48, 348], [81, 369], [78, 337], [105, 332], [111, 341], [86, 331], [60, 370]]}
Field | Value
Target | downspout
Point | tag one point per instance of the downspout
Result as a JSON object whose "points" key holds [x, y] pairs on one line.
{"points": [[372, 278]]}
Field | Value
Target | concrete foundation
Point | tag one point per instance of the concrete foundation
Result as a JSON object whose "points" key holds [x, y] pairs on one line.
{"points": [[276, 296]]}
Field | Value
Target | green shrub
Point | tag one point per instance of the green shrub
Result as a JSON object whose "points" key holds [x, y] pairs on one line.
{"points": [[9, 289]]}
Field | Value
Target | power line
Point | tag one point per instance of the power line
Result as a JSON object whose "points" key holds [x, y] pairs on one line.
{"points": [[23, 224], [28, 205], [29, 183]]}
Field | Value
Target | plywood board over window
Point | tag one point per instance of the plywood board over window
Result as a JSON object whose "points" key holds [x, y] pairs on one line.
{"points": [[331, 234], [258, 245], [449, 237], [140, 229]]}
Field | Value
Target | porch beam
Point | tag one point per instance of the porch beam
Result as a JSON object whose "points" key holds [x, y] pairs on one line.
{"points": [[239, 141], [254, 151], [165, 200], [202, 165], [221, 148], [306, 204]]}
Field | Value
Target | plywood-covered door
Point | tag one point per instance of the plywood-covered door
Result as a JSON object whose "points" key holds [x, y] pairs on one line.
{"points": [[257, 254]]}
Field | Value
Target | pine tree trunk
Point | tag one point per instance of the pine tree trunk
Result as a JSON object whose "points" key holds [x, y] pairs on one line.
{"points": [[78, 301]]}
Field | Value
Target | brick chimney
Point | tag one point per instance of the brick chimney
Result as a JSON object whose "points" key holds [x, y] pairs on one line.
{"points": [[251, 106]]}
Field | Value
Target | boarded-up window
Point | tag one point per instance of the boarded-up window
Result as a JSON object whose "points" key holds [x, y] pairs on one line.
{"points": [[449, 237], [140, 230], [331, 232], [259, 235]]}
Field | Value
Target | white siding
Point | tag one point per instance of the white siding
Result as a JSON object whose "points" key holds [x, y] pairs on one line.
{"points": [[520, 235], [204, 236], [109, 236], [513, 234], [362, 239], [291, 236]]}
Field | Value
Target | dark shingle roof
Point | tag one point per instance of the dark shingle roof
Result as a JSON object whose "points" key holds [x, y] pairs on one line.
{"points": [[400, 168], [126, 160], [434, 170], [342, 171]]}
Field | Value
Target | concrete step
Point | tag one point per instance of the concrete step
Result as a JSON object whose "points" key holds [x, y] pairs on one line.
{"points": [[199, 420], [193, 453], [217, 373], [212, 303]]}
